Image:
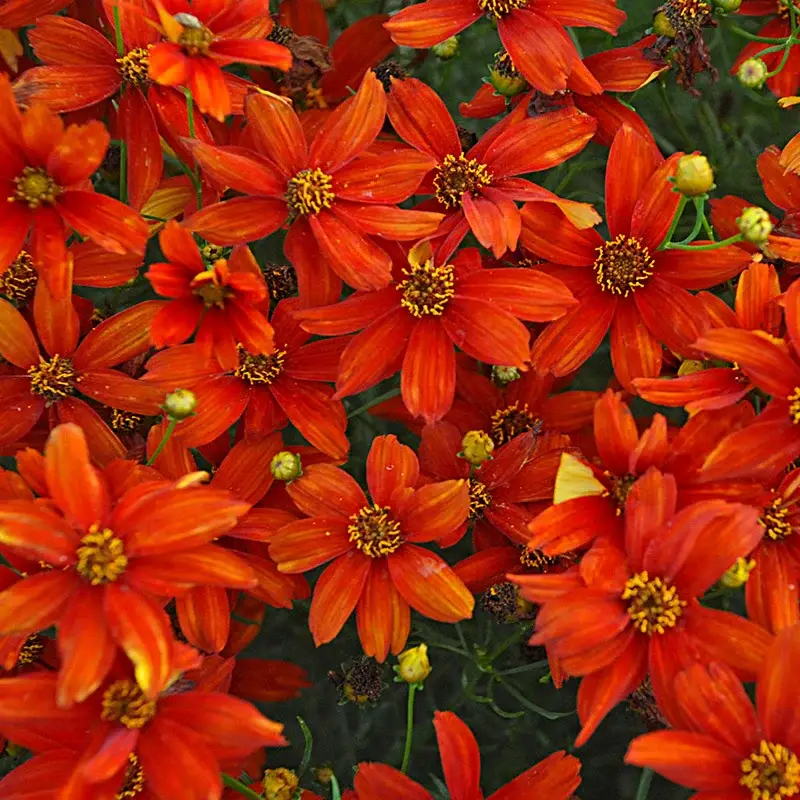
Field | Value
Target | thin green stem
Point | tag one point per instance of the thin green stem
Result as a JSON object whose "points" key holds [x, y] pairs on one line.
{"points": [[118, 32], [374, 402], [644, 784], [713, 246], [163, 443], [309, 744], [412, 690], [674, 224], [752, 36], [123, 172], [238, 786], [783, 61], [336, 792], [707, 227], [198, 186], [699, 203]]}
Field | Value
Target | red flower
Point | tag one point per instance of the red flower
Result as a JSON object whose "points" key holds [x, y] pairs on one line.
{"points": [[44, 174], [378, 570], [416, 324], [532, 31], [109, 559], [333, 199], [556, 777], [218, 303]]}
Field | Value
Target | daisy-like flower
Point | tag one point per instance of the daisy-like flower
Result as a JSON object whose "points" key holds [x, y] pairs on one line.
{"points": [[556, 777], [722, 744], [430, 309], [218, 301], [378, 568], [334, 200], [45, 189], [109, 557], [532, 31], [638, 613], [623, 282]]}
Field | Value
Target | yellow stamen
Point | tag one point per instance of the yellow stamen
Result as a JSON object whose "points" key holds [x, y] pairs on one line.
{"points": [[653, 605]]}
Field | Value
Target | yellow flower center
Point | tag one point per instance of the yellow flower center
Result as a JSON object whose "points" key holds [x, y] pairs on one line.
{"points": [[499, 8], [374, 532], [623, 265], [53, 379], [280, 784], [195, 38], [457, 175], [259, 369], [30, 652], [124, 420], [18, 282], [536, 560], [134, 779], [34, 187], [794, 406], [134, 67], [101, 556], [688, 13], [620, 489], [511, 421], [125, 702], [771, 773], [773, 521], [209, 291], [427, 289], [309, 192], [652, 604], [479, 498]]}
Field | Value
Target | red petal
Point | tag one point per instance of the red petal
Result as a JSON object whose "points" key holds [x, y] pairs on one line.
{"points": [[382, 782], [383, 617], [390, 177], [17, 342], [428, 376], [325, 489], [277, 133], [635, 352], [137, 126], [35, 603], [238, 220], [461, 759], [429, 23], [390, 466], [776, 682], [241, 170], [435, 511], [204, 616], [308, 543], [656, 205]]}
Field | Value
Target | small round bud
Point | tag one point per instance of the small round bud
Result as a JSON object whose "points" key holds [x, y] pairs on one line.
{"points": [[662, 26], [728, 6], [413, 666], [280, 784], [447, 49], [180, 404], [752, 73], [689, 367], [285, 466], [507, 85], [323, 775], [693, 175], [476, 447], [738, 574], [755, 225], [505, 375]]}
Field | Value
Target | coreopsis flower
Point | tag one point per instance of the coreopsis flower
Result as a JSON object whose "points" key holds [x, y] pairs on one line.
{"points": [[556, 777], [624, 283], [430, 309], [120, 740], [109, 557], [477, 190], [334, 200], [532, 31], [44, 179], [287, 385], [754, 757], [378, 568], [218, 300], [638, 613], [712, 387]]}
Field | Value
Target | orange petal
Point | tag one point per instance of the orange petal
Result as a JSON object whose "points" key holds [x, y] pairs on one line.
{"points": [[435, 511], [239, 220], [382, 782], [307, 543], [635, 352], [204, 615], [325, 489], [35, 603], [383, 617], [428, 374], [461, 759], [390, 466]]}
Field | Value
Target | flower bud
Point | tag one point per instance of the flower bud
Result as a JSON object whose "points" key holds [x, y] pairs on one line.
{"points": [[738, 574], [280, 784], [752, 73], [662, 26], [755, 225], [447, 49], [413, 666], [476, 447], [504, 375], [285, 466], [728, 6], [323, 775], [693, 175], [180, 404]]}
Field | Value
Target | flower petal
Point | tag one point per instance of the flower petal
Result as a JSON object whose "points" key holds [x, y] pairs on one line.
{"points": [[383, 616], [428, 374], [239, 220], [461, 759], [307, 543]]}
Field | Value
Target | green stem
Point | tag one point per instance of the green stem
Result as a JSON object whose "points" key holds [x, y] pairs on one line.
{"points": [[123, 148], [707, 226], [754, 37], [374, 402], [163, 443], [198, 186], [783, 61], [713, 246], [336, 792], [309, 743], [238, 786], [118, 32], [674, 224], [699, 203], [412, 690], [644, 784]]}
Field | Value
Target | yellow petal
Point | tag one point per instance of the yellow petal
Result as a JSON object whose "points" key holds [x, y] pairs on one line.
{"points": [[575, 478]]}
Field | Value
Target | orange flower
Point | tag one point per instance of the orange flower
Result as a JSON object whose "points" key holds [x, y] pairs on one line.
{"points": [[532, 31], [109, 559], [202, 38], [44, 175], [556, 777], [638, 612], [378, 569], [218, 302], [724, 745], [19, 13], [333, 199]]}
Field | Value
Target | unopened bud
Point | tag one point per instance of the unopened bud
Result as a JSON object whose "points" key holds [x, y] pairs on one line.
{"points": [[285, 466], [323, 775], [755, 225], [752, 73], [662, 26], [447, 49], [180, 404], [504, 375], [738, 574], [693, 175], [728, 6], [476, 447], [413, 666], [280, 784]]}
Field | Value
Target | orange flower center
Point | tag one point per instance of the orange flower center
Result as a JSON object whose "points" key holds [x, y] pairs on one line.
{"points": [[195, 38], [280, 784], [499, 8], [511, 421], [773, 521], [309, 192], [134, 66], [653, 605], [53, 378], [457, 175], [374, 532], [101, 556], [536, 560], [34, 187], [479, 498], [794, 405], [620, 489], [259, 369], [427, 289], [771, 773], [623, 265], [125, 702], [30, 652], [134, 779], [689, 13], [18, 282], [212, 293]]}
